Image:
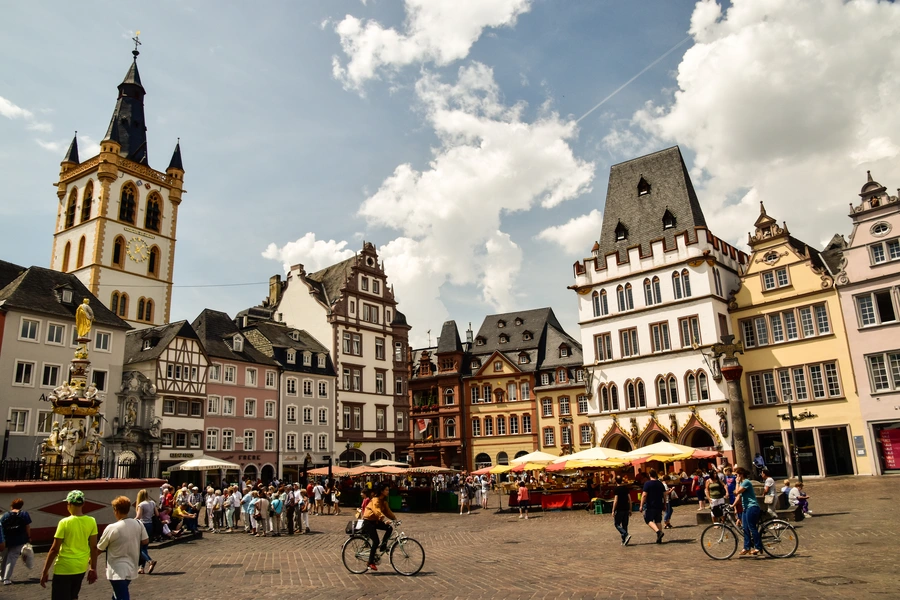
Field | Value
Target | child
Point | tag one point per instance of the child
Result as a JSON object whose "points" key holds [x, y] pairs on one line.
{"points": [[799, 498]]}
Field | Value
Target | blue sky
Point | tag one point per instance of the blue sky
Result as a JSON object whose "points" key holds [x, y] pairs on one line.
{"points": [[448, 136]]}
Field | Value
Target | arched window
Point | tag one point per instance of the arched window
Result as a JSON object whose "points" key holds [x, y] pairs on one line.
{"points": [[70, 209], [140, 310], [153, 262], [691, 384], [629, 298], [79, 262], [448, 396], [613, 397], [488, 426], [501, 425], [604, 303], [657, 293], [153, 215], [630, 395], [118, 257], [676, 285], [502, 458], [114, 303], [604, 399], [595, 297], [673, 390], [703, 385], [123, 306], [662, 397], [127, 203], [66, 252], [148, 311], [450, 428], [648, 293], [87, 201], [686, 283], [620, 298], [642, 395]]}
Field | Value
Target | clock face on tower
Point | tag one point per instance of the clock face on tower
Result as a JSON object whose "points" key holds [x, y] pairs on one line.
{"points": [[138, 250]]}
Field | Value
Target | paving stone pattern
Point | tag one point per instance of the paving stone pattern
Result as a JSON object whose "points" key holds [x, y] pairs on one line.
{"points": [[848, 550]]}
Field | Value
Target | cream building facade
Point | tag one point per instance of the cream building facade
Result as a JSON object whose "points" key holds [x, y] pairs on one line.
{"points": [[117, 217], [788, 316], [652, 299]]}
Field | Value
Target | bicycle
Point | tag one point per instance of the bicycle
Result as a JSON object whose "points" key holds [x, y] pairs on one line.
{"points": [[720, 540], [406, 554]]}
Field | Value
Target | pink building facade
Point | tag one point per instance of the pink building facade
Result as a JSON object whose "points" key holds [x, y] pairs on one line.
{"points": [[869, 286]]}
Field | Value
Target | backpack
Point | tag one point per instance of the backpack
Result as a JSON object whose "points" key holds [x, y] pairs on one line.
{"points": [[13, 525], [291, 501]]}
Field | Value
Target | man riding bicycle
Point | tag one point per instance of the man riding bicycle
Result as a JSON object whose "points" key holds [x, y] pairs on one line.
{"points": [[377, 516]]}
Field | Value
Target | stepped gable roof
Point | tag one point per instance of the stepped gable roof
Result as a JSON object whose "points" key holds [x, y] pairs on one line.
{"points": [[8, 272], [39, 290], [640, 192], [216, 331], [449, 340], [329, 281], [555, 339], [160, 338]]}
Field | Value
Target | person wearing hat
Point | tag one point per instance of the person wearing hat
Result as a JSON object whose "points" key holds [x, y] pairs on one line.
{"points": [[74, 550]]}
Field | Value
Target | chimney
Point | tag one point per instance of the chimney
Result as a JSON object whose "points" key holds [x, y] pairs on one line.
{"points": [[274, 290], [469, 337]]}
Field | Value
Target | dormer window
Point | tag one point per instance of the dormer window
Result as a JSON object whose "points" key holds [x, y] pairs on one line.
{"points": [[527, 336], [501, 324], [668, 220], [295, 335], [643, 187], [479, 341], [518, 321], [523, 358], [67, 296], [621, 232], [291, 356], [563, 351], [148, 344], [307, 359], [504, 339], [475, 364], [321, 362], [238, 343]]}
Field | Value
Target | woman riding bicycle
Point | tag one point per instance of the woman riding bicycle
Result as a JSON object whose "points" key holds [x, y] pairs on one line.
{"points": [[377, 516], [747, 496]]}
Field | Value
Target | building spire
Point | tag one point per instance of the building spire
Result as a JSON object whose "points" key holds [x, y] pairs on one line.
{"points": [[127, 125], [175, 163], [72, 153]]}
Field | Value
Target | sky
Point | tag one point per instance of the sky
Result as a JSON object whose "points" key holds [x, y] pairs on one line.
{"points": [[469, 140]]}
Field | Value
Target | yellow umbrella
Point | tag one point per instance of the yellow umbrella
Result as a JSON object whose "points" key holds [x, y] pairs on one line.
{"points": [[598, 453], [500, 469], [535, 457]]}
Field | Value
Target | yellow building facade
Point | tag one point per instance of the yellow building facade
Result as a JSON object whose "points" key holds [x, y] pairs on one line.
{"points": [[787, 314]]}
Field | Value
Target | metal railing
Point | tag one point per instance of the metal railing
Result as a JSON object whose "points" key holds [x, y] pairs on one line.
{"points": [[15, 469]]}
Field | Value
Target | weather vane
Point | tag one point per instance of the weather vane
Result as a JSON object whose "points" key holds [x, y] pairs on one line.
{"points": [[137, 42]]}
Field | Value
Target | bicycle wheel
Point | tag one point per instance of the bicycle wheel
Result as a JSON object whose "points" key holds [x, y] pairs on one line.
{"points": [[779, 539], [719, 542], [355, 554], [407, 556]]}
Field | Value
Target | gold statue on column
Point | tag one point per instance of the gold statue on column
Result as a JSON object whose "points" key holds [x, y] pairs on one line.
{"points": [[84, 318]]}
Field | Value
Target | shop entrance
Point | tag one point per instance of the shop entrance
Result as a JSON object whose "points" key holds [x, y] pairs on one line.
{"points": [[806, 446], [887, 445], [835, 444], [771, 446]]}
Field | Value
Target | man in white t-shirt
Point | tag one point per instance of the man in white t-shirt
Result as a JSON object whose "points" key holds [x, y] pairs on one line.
{"points": [[770, 491], [122, 541], [319, 496], [485, 490]]}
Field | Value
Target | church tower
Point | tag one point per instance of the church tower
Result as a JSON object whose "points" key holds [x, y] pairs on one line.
{"points": [[117, 216]]}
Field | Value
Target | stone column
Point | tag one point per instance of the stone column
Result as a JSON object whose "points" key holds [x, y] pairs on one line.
{"points": [[731, 371]]}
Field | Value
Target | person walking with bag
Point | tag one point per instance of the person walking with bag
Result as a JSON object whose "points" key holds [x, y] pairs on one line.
{"points": [[16, 526], [769, 494], [121, 541]]}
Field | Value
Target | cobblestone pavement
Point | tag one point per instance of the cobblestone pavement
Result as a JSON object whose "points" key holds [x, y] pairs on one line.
{"points": [[846, 551]]}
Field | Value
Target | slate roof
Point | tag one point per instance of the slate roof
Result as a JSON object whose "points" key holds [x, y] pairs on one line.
{"points": [[833, 254], [556, 338], [417, 360], [273, 340], [815, 256], [535, 321], [72, 152], [175, 163], [161, 337], [449, 340], [329, 281], [39, 290], [216, 331], [127, 125], [670, 189]]}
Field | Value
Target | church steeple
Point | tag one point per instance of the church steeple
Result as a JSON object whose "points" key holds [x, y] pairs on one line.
{"points": [[175, 163], [127, 126], [72, 153]]}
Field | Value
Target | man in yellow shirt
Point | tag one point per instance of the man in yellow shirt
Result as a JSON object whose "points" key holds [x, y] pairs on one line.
{"points": [[74, 549]]}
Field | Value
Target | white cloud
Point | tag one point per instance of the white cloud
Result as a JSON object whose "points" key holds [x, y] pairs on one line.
{"points": [[87, 147], [789, 102], [12, 111], [489, 162], [313, 254], [438, 31], [577, 235]]}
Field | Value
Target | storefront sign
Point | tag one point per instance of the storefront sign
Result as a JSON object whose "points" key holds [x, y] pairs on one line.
{"points": [[249, 457], [291, 458], [860, 443], [890, 448], [181, 455], [798, 417]]}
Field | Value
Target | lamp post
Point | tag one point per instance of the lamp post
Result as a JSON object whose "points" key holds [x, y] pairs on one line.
{"points": [[795, 448], [6, 438], [589, 392]]}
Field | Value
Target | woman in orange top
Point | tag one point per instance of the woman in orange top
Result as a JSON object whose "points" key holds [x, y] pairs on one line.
{"points": [[378, 515], [523, 498]]}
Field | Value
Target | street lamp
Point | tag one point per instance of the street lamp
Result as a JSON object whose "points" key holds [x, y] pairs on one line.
{"points": [[796, 449], [589, 392]]}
